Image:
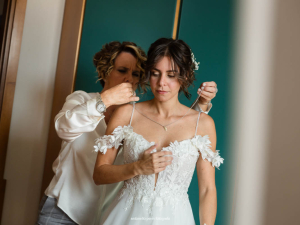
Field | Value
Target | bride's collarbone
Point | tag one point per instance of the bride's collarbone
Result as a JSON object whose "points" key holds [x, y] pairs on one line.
{"points": [[163, 138], [165, 132]]}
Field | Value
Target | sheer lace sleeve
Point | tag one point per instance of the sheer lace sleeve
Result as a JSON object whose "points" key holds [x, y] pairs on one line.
{"points": [[203, 146], [113, 140]]}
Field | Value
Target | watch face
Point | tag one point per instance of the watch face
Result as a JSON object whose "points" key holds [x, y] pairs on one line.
{"points": [[101, 107]]}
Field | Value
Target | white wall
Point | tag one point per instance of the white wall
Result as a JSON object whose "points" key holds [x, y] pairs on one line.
{"points": [[31, 111]]}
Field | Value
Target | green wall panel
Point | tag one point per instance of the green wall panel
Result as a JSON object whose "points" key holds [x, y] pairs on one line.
{"points": [[141, 22], [206, 26]]}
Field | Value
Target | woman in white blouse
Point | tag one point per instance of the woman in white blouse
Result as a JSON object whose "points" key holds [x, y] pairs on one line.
{"points": [[72, 196]]}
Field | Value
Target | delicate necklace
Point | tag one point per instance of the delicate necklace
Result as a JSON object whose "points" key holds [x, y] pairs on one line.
{"points": [[165, 126]]}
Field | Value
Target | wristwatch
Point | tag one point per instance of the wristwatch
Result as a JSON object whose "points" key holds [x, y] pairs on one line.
{"points": [[100, 106]]}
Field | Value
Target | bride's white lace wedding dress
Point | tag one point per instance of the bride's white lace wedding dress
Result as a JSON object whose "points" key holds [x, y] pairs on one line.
{"points": [[140, 201]]}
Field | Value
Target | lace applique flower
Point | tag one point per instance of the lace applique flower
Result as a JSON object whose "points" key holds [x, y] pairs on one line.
{"points": [[203, 144], [113, 140]]}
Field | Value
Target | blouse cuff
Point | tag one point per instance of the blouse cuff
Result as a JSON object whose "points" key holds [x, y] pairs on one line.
{"points": [[208, 108], [92, 111], [198, 108]]}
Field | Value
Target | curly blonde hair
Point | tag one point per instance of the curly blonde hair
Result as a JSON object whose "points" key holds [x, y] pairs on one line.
{"points": [[105, 58]]}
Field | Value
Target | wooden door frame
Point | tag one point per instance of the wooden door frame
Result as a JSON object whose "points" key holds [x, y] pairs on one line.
{"points": [[10, 54], [65, 77]]}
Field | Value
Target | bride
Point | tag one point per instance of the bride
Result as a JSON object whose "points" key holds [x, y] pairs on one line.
{"points": [[179, 139]]}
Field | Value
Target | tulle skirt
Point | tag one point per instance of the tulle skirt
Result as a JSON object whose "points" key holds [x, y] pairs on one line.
{"points": [[138, 215]]}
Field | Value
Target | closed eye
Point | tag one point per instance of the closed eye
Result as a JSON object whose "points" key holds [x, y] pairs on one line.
{"points": [[154, 74]]}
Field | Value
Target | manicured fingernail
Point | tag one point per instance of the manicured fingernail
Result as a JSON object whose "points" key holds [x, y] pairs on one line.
{"points": [[202, 88], [204, 84], [199, 89]]}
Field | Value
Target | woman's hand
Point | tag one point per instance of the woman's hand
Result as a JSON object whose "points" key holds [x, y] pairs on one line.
{"points": [[209, 91], [151, 163], [119, 95]]}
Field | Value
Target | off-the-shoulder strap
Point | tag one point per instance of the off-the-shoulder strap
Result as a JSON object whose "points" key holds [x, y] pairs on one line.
{"points": [[133, 105], [202, 143], [197, 124], [113, 140]]}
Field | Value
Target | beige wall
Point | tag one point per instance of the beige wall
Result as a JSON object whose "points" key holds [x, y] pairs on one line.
{"points": [[266, 113], [251, 100], [31, 111], [282, 198]]}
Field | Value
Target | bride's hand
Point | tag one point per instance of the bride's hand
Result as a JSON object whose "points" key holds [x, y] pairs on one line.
{"points": [[151, 163]]}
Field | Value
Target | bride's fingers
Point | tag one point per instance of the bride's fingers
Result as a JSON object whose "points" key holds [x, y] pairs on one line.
{"points": [[149, 150], [160, 167], [162, 164], [162, 153], [163, 159]]}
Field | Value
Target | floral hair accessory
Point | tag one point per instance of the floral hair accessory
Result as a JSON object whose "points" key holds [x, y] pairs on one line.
{"points": [[194, 61]]}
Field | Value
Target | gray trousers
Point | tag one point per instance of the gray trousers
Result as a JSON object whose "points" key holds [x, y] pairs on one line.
{"points": [[51, 214]]}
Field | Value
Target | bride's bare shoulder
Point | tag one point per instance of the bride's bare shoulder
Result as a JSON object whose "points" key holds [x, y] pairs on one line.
{"points": [[191, 112], [206, 125], [141, 105], [121, 115], [126, 108]]}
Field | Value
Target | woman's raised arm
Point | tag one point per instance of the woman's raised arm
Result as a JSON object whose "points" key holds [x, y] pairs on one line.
{"points": [[78, 115]]}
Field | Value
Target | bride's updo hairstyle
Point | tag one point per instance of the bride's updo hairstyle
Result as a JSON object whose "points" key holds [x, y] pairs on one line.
{"points": [[181, 56], [104, 59]]}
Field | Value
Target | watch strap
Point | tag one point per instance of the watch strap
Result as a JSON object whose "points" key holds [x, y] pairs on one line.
{"points": [[100, 102]]}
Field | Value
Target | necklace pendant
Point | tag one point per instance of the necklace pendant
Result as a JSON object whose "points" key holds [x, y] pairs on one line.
{"points": [[165, 128]]}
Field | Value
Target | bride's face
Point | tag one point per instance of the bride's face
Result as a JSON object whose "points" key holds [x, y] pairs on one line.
{"points": [[163, 80]]}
